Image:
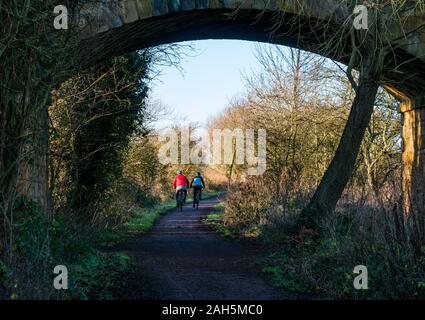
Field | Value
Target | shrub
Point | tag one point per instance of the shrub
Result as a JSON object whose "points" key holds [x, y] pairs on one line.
{"points": [[323, 266], [26, 267]]}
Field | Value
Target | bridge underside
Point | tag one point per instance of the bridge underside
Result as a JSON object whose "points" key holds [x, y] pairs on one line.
{"points": [[405, 72]]}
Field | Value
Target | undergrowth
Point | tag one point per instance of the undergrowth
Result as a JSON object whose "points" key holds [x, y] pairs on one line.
{"points": [[26, 266], [320, 264]]}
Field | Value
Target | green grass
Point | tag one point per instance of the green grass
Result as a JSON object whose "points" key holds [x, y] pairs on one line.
{"points": [[143, 219], [96, 275], [215, 220]]}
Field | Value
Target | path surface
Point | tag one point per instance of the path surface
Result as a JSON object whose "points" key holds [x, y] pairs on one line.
{"points": [[183, 259]]}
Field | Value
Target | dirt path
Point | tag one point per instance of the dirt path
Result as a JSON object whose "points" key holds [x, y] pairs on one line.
{"points": [[182, 259]]}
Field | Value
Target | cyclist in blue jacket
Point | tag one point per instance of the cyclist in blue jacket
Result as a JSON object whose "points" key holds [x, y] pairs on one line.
{"points": [[197, 183]]}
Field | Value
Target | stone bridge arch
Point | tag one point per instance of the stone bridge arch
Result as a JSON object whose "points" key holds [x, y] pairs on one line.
{"points": [[113, 27]]}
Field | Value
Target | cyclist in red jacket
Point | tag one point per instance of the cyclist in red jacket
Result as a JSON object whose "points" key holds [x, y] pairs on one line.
{"points": [[180, 182]]}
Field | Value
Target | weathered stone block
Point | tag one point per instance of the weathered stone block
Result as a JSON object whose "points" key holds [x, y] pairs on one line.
{"points": [[231, 4], [174, 6], [263, 4], [217, 4], [202, 4], [188, 5], [159, 7], [144, 8], [245, 4], [128, 11]]}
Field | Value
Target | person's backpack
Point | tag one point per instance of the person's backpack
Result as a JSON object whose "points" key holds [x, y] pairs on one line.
{"points": [[197, 182]]}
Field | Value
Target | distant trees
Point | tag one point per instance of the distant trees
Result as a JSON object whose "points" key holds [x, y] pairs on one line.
{"points": [[378, 165], [303, 101]]}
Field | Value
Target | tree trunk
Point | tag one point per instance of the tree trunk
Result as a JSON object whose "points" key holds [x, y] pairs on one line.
{"points": [[229, 179], [341, 168], [33, 173]]}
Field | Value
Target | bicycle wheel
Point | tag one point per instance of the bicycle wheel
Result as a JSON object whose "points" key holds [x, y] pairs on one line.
{"points": [[180, 200], [197, 196]]}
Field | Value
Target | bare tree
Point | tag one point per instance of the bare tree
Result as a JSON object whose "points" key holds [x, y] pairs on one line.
{"points": [[369, 53]]}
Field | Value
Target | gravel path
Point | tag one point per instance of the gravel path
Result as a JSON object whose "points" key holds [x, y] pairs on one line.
{"points": [[183, 259]]}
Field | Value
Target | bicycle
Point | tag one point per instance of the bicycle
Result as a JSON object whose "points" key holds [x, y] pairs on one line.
{"points": [[180, 199], [196, 198]]}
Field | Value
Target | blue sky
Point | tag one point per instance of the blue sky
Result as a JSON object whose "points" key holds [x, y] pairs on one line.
{"points": [[207, 80]]}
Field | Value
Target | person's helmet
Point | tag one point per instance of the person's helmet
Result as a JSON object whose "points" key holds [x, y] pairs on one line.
{"points": [[180, 172]]}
